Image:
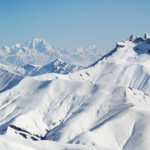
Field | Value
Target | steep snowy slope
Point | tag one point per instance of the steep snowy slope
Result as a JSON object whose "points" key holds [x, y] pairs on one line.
{"points": [[12, 69], [127, 65], [8, 80], [123, 130], [76, 113], [103, 107]]}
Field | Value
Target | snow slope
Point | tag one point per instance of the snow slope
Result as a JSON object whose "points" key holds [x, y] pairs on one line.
{"points": [[103, 107], [12, 143]]}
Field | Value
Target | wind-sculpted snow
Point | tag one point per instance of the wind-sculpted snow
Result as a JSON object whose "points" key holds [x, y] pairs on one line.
{"points": [[103, 107]]}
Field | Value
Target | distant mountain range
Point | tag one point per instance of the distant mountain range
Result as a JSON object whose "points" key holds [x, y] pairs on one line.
{"points": [[39, 52]]}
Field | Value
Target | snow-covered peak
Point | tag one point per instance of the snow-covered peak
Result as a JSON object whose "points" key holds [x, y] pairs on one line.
{"points": [[5, 50], [39, 44], [136, 43], [146, 36], [132, 38], [58, 60], [18, 45], [136, 39], [56, 66]]}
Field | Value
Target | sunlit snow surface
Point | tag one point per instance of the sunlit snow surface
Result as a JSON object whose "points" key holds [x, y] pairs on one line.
{"points": [[103, 107]]}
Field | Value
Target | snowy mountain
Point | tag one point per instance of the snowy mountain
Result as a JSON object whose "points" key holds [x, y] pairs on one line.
{"points": [[103, 107], [56, 66], [39, 52]]}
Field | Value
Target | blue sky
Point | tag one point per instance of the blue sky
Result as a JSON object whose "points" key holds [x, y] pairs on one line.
{"points": [[73, 23]]}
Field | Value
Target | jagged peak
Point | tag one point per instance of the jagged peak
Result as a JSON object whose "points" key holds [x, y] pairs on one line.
{"points": [[38, 43], [28, 66], [37, 40], [146, 36], [6, 49], [58, 60], [136, 39], [18, 45], [132, 37]]}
